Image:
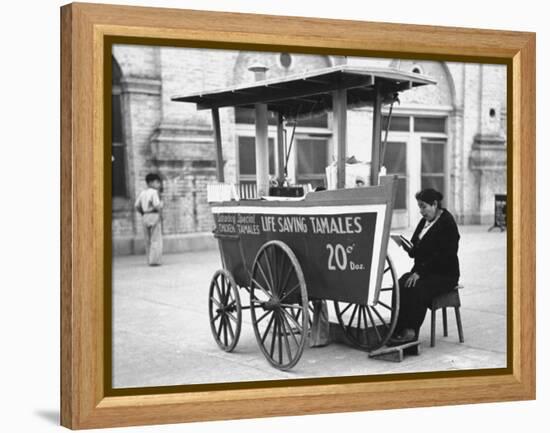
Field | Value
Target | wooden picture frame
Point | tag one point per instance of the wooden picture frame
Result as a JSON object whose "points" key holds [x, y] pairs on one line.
{"points": [[85, 212]]}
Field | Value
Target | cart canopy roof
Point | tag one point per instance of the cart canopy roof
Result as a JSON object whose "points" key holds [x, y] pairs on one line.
{"points": [[310, 92]]}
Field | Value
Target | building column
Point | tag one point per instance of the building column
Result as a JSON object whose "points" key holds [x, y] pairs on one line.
{"points": [[488, 160], [141, 108]]}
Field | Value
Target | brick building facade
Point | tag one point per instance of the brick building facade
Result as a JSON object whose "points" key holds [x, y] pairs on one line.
{"points": [[450, 136]]}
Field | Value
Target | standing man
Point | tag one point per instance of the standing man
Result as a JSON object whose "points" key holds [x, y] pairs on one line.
{"points": [[149, 205]]}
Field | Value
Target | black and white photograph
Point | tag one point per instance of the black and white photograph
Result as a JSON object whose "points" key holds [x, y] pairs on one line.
{"points": [[281, 216], [114, 316]]}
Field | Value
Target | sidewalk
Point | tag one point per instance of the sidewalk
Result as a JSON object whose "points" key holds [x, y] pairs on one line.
{"points": [[161, 332]]}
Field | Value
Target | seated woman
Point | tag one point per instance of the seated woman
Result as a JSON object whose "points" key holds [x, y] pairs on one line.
{"points": [[435, 270]]}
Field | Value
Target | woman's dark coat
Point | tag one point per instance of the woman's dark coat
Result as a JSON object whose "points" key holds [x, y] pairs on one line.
{"points": [[436, 253]]}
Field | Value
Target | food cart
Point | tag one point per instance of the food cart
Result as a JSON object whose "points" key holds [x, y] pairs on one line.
{"points": [[286, 252]]}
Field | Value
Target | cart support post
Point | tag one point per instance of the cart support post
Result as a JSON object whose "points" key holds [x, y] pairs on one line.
{"points": [[280, 150], [218, 141], [262, 146], [262, 150], [340, 107], [376, 135]]}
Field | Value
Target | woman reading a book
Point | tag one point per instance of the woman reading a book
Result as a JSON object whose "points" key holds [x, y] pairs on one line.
{"points": [[435, 271]]}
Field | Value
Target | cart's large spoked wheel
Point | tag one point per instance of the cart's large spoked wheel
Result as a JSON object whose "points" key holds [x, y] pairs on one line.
{"points": [[224, 308], [370, 327], [279, 304]]}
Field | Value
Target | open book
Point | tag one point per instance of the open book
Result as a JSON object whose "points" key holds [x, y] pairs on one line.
{"points": [[402, 241]]}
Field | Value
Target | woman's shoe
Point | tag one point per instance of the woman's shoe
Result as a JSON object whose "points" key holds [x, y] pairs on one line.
{"points": [[403, 337]]}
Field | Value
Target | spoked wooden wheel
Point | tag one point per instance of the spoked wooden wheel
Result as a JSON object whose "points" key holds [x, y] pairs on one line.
{"points": [[279, 305], [370, 327], [224, 308]]}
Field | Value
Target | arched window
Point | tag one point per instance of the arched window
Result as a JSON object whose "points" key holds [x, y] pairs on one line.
{"points": [[118, 154]]}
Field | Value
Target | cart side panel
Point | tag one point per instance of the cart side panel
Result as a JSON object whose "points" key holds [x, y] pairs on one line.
{"points": [[339, 241], [334, 245], [237, 256], [335, 252], [231, 259]]}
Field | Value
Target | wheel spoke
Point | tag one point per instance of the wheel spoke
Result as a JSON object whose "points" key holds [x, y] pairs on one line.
{"points": [[257, 303], [218, 290], [215, 317], [292, 306], [285, 273], [232, 318], [280, 338], [215, 301], [385, 305], [224, 291], [345, 309], [275, 269], [224, 320], [290, 329], [230, 329], [269, 271], [287, 276], [287, 294], [276, 322], [287, 343], [230, 299], [218, 333], [263, 316], [363, 308], [380, 317], [294, 321], [268, 327], [374, 325], [358, 329], [353, 315], [263, 274], [265, 292]]}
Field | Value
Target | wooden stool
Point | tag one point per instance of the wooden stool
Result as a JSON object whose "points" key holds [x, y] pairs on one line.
{"points": [[449, 299]]}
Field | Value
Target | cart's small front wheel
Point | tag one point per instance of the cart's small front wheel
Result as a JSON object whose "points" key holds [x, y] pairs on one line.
{"points": [[279, 305], [369, 327], [224, 308]]}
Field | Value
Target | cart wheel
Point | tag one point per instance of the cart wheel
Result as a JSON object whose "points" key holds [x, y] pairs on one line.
{"points": [[279, 305], [370, 327], [224, 308]]}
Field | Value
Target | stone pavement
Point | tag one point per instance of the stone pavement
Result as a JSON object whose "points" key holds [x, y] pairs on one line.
{"points": [[161, 332]]}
